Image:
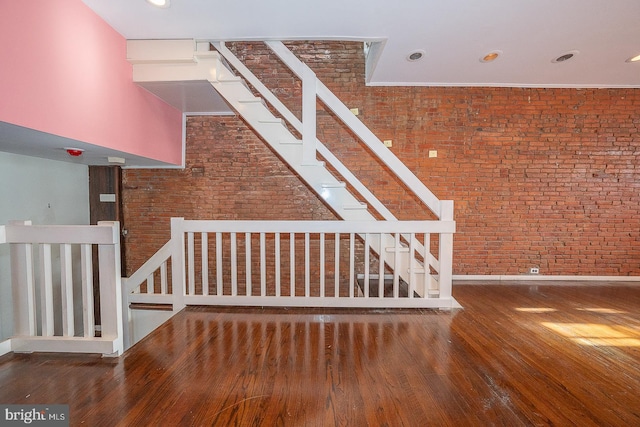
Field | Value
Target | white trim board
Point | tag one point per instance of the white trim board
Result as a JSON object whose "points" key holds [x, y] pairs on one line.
{"points": [[539, 277], [5, 347]]}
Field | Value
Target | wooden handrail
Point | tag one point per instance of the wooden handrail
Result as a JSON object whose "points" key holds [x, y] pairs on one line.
{"points": [[149, 267]]}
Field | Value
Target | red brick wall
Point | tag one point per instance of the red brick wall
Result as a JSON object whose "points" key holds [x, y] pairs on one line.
{"points": [[230, 174], [544, 178]]}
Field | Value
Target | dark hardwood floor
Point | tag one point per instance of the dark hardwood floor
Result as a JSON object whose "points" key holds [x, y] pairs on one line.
{"points": [[530, 354]]}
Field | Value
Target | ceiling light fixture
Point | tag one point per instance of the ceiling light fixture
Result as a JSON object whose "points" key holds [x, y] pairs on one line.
{"points": [[416, 55], [565, 56], [634, 59], [116, 160], [160, 3], [491, 56]]}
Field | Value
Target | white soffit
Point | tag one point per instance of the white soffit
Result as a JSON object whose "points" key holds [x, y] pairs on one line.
{"points": [[453, 35]]}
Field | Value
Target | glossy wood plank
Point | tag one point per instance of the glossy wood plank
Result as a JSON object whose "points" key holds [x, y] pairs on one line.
{"points": [[516, 355]]}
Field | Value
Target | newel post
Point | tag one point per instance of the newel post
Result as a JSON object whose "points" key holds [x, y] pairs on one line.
{"points": [[23, 287], [446, 251], [111, 288], [178, 276]]}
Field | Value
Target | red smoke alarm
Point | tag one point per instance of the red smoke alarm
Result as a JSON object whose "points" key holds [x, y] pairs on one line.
{"points": [[74, 152]]}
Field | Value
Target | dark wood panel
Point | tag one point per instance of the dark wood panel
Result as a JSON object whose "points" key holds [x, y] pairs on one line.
{"points": [[107, 180], [516, 355]]}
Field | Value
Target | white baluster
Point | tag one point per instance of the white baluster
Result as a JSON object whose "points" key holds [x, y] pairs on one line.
{"points": [[219, 276], [336, 278], [277, 262], [191, 263], [322, 272], [263, 265], [46, 290], [87, 290], [234, 265], [66, 285], [205, 263], [247, 260]]}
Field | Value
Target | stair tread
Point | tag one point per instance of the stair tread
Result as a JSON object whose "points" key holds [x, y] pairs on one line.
{"points": [[319, 163], [360, 206], [374, 287], [229, 79], [402, 249], [333, 185], [150, 306], [269, 120]]}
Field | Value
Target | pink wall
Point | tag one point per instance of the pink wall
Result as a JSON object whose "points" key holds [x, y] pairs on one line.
{"points": [[64, 71]]}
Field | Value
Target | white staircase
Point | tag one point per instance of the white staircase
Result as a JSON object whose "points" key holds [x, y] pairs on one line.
{"points": [[274, 131], [182, 61]]}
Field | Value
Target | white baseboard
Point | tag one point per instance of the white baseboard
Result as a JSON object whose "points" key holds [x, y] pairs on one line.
{"points": [[541, 277], [5, 347]]}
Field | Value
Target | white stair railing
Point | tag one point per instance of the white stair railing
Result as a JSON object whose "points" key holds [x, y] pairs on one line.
{"points": [[158, 283], [291, 263], [314, 89], [197, 62], [41, 322]]}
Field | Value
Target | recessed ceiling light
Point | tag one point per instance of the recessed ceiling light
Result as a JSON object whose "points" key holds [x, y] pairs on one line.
{"points": [[415, 55], [634, 59], [160, 3], [491, 56], [566, 56]]}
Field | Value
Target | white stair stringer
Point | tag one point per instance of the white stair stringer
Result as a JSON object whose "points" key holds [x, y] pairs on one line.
{"points": [[209, 66]]}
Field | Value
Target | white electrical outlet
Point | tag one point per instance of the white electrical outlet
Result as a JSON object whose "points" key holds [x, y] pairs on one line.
{"points": [[534, 270]]}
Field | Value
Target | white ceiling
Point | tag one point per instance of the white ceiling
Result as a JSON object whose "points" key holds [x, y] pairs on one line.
{"points": [[454, 35]]}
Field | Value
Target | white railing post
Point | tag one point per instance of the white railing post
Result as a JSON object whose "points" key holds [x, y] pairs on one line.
{"points": [[309, 86], [178, 276], [5, 346], [445, 251], [24, 301], [111, 288]]}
